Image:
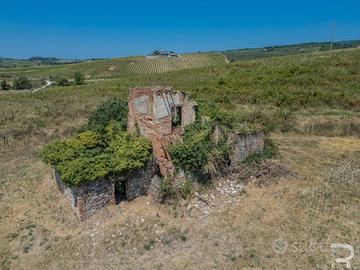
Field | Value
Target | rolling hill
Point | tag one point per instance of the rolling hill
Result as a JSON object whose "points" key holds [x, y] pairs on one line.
{"points": [[130, 67], [301, 48], [311, 101], [120, 67]]}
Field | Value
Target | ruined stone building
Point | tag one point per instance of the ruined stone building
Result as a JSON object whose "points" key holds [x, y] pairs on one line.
{"points": [[88, 198], [160, 114]]}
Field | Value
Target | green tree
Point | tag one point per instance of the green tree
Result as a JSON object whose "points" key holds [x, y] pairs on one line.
{"points": [[22, 83], [63, 82], [112, 110], [5, 85], [79, 77]]}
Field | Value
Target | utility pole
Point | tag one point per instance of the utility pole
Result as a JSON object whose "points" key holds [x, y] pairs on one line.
{"points": [[333, 29]]}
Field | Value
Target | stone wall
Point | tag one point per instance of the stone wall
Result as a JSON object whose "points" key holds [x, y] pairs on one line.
{"points": [[151, 110], [70, 193], [88, 198], [244, 145], [94, 196], [138, 182], [188, 111]]}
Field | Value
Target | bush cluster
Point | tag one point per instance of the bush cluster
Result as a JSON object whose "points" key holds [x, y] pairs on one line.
{"points": [[113, 110], [168, 191], [22, 83], [197, 149], [4, 85], [104, 148], [194, 152], [89, 156], [199, 154]]}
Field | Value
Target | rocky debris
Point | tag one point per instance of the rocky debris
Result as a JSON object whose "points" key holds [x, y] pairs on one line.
{"points": [[224, 193], [229, 187]]}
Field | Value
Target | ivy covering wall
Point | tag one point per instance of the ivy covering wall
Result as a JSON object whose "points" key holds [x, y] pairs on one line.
{"points": [[104, 149]]}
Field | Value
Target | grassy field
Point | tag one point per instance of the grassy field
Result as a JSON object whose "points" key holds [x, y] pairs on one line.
{"points": [[310, 102], [316, 94], [120, 67], [273, 51]]}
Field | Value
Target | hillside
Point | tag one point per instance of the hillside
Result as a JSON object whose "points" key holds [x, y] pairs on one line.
{"points": [[309, 105], [128, 67], [324, 83], [273, 51], [121, 67], [33, 62]]}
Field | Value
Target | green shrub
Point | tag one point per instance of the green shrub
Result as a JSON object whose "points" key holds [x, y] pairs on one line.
{"points": [[113, 129], [186, 189], [89, 156], [198, 149], [129, 152], [4, 85], [63, 81], [61, 151], [86, 140], [270, 149], [22, 83], [112, 110], [84, 169], [79, 78], [57, 152], [193, 154], [166, 189], [222, 149]]}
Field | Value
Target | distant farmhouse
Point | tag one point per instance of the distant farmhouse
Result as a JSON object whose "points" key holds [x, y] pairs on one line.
{"points": [[162, 53]]}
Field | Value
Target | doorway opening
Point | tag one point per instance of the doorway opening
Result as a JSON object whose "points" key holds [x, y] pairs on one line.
{"points": [[176, 116], [120, 191]]}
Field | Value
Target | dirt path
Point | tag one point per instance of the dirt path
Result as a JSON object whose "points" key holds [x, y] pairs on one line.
{"points": [[226, 59], [48, 83]]}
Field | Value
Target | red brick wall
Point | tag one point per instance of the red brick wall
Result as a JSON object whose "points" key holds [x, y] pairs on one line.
{"points": [[158, 131]]}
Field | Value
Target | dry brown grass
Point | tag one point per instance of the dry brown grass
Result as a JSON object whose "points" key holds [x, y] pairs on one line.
{"points": [[39, 231]]}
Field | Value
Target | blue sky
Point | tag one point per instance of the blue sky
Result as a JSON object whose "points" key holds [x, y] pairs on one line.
{"points": [[94, 28]]}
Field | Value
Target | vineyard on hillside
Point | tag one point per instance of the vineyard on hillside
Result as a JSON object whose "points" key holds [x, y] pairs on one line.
{"points": [[122, 67], [137, 66]]}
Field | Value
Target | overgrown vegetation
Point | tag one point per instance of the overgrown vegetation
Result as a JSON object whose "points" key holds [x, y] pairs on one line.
{"points": [[89, 156], [193, 154], [4, 85], [276, 94], [22, 83], [198, 148], [62, 81], [79, 77], [168, 191], [105, 150], [112, 110]]}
